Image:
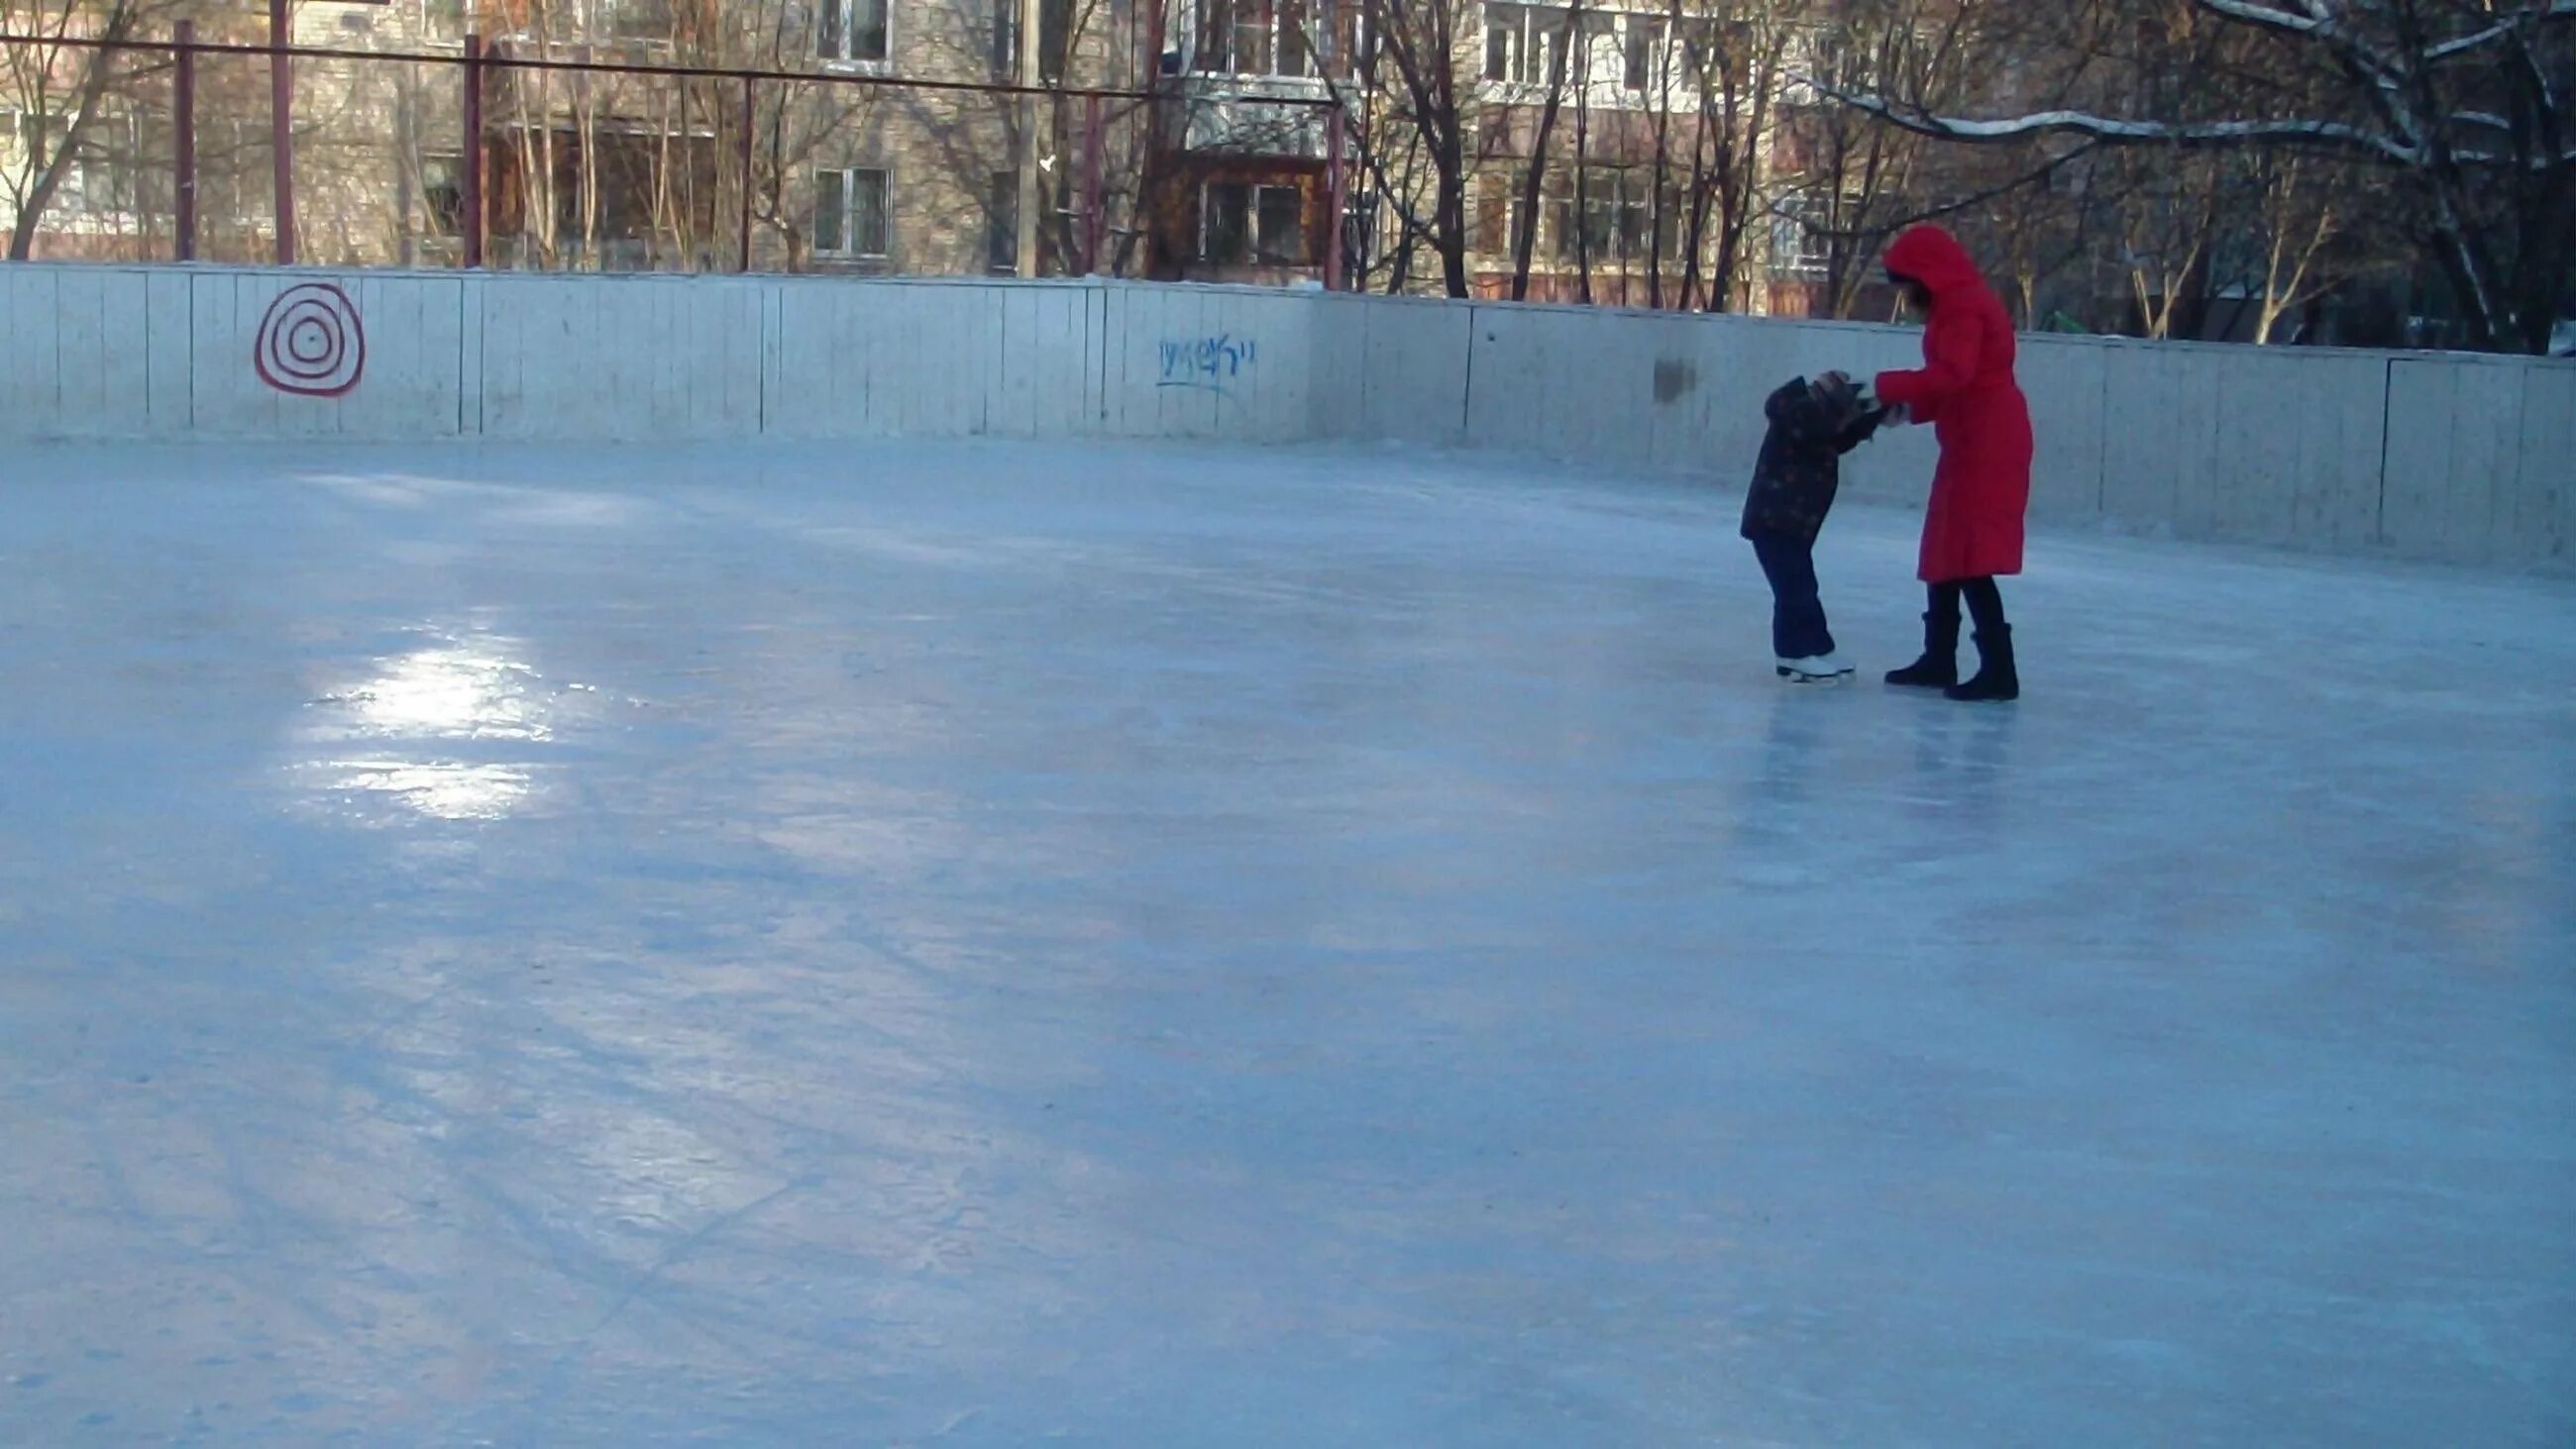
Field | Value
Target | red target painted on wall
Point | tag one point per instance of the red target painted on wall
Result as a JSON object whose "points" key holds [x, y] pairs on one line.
{"points": [[311, 343]]}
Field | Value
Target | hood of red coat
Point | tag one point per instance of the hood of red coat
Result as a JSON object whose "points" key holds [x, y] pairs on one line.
{"points": [[1933, 257]]}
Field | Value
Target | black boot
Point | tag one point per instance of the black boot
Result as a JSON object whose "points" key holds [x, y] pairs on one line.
{"points": [[1996, 677], [1939, 666]]}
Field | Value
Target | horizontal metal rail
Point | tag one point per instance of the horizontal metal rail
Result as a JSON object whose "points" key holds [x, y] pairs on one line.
{"points": [[503, 60]]}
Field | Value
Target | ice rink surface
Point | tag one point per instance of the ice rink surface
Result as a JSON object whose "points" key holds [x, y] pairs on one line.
{"points": [[979, 944]]}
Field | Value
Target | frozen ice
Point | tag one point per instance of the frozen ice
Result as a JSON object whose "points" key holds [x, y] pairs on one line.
{"points": [[981, 943]]}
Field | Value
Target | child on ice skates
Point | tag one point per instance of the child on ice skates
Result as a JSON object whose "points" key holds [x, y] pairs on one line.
{"points": [[1812, 424]]}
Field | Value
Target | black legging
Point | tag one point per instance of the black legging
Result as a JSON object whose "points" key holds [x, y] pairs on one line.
{"points": [[1985, 602]]}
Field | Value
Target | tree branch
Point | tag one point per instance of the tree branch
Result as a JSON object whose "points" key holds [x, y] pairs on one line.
{"points": [[2190, 135], [2534, 15]]}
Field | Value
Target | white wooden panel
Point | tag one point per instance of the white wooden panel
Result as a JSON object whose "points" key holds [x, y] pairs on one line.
{"points": [[1128, 400], [229, 398], [1266, 382], [2542, 522], [1337, 340], [2256, 440], [2158, 438], [80, 354], [1192, 363], [2416, 471], [2454, 455], [32, 386], [2336, 403], [170, 375], [2064, 380], [125, 373], [798, 363], [1678, 400], [708, 344], [2296, 440], [469, 362], [415, 339], [1048, 360], [887, 357], [2486, 458], [507, 306], [1505, 379], [1025, 337], [1417, 360]]}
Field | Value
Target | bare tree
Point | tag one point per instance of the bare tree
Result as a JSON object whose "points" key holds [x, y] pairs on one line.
{"points": [[1425, 46], [2462, 107], [60, 92]]}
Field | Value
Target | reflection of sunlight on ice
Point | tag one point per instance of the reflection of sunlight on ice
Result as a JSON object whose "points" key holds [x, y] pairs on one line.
{"points": [[443, 790], [458, 691], [457, 688]]}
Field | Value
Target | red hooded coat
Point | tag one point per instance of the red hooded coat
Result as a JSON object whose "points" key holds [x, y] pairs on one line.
{"points": [[1966, 391]]}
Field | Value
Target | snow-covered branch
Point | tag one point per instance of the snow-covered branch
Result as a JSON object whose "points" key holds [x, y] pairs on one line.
{"points": [[2532, 15], [2315, 22], [2187, 134]]}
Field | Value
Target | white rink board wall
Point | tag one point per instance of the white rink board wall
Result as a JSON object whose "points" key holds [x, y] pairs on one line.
{"points": [[2410, 455]]}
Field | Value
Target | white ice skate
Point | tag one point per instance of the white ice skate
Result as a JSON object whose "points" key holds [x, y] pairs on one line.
{"points": [[1817, 670]]}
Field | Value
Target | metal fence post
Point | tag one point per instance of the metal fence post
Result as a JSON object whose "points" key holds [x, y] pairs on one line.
{"points": [[1095, 219], [1336, 189], [281, 105], [473, 178], [750, 119], [183, 128]]}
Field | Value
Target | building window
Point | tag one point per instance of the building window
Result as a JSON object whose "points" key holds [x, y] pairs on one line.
{"points": [[1241, 223], [850, 215], [633, 19], [1350, 38], [442, 193], [1295, 55], [1521, 44], [442, 19], [1225, 231], [1359, 229], [1671, 214], [1006, 39], [1235, 37], [1252, 37], [1055, 37], [1002, 223], [1279, 231], [109, 161], [1799, 247], [853, 30], [1600, 224], [1268, 37], [1498, 213], [1645, 41], [27, 134], [232, 171]]}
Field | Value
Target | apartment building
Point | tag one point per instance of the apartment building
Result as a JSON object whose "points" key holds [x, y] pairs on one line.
{"points": [[1620, 139]]}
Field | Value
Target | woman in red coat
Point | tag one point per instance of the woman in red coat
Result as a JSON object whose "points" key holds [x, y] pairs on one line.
{"points": [[1965, 390]]}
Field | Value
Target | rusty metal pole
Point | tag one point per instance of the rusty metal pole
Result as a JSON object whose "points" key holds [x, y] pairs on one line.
{"points": [[473, 178], [183, 127], [1095, 218], [281, 107], [750, 117], [1336, 189]]}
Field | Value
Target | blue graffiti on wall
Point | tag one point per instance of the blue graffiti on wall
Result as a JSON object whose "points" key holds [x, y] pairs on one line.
{"points": [[1210, 364]]}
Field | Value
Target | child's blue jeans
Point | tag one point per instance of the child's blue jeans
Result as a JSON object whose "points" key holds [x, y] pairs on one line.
{"points": [[1797, 616]]}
